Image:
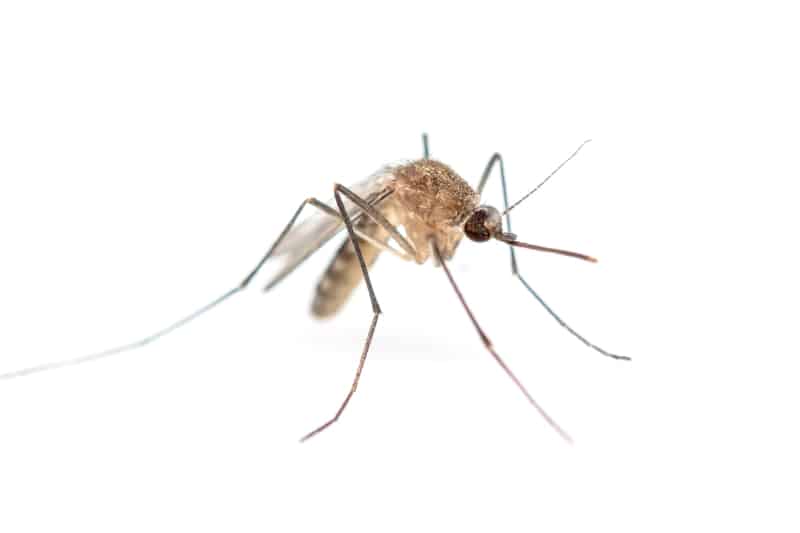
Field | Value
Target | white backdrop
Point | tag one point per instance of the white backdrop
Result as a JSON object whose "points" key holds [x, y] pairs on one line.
{"points": [[150, 153]]}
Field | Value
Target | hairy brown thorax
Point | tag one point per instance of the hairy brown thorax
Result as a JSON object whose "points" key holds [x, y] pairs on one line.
{"points": [[434, 193], [433, 202], [429, 201]]}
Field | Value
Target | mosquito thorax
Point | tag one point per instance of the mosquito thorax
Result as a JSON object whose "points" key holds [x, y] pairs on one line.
{"points": [[483, 224]]}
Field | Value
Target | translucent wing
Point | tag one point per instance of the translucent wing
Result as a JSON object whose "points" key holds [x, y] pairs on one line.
{"points": [[309, 235]]}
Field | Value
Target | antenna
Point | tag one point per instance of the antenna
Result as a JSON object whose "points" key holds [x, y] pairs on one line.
{"points": [[515, 204]]}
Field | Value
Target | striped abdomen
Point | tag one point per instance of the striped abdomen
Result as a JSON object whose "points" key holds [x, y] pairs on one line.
{"points": [[344, 273]]}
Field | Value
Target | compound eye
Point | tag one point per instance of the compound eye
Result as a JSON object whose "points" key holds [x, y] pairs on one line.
{"points": [[475, 227]]}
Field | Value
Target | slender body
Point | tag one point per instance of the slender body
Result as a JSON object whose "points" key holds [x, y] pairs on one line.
{"points": [[432, 205]]}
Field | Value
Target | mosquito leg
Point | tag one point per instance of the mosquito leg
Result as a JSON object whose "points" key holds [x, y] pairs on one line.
{"points": [[378, 218], [497, 159], [178, 324], [376, 308], [567, 326], [488, 344], [125, 347], [313, 201], [404, 255]]}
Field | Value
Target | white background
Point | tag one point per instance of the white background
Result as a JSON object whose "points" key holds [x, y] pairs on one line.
{"points": [[150, 152]]}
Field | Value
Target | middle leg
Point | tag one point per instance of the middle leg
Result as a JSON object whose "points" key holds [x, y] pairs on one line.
{"points": [[376, 308]]}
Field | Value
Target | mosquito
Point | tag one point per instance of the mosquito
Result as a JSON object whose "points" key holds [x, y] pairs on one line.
{"points": [[434, 206]]}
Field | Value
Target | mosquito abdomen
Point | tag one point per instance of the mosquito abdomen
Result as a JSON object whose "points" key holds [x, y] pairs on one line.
{"points": [[344, 273]]}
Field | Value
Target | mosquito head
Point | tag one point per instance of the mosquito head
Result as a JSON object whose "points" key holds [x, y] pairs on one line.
{"points": [[484, 223]]}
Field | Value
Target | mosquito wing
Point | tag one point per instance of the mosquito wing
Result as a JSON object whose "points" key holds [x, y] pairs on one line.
{"points": [[313, 232]]}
